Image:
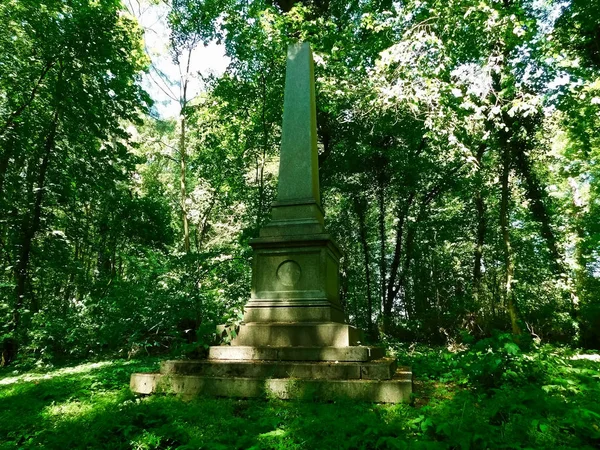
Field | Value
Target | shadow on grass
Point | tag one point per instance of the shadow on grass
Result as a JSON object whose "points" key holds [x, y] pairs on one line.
{"points": [[95, 409], [31, 406]]}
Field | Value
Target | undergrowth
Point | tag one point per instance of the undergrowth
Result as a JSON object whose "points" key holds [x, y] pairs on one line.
{"points": [[492, 395]]}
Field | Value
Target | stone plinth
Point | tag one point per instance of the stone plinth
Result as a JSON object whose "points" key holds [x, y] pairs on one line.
{"points": [[297, 334], [357, 353], [379, 381], [383, 369]]}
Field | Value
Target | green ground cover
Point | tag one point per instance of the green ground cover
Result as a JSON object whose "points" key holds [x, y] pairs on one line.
{"points": [[492, 395]]}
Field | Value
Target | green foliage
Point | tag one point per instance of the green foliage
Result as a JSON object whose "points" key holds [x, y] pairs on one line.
{"points": [[493, 391], [499, 362], [89, 406], [458, 153], [459, 160]]}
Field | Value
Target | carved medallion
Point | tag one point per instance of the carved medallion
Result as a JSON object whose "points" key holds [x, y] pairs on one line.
{"points": [[288, 273]]}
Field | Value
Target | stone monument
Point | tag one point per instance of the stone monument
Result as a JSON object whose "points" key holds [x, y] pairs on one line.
{"points": [[293, 342]]}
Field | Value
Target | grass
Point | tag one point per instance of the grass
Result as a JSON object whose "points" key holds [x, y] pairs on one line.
{"points": [[460, 402]]}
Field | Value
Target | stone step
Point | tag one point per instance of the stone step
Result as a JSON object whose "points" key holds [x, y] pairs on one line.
{"points": [[396, 390], [354, 353], [302, 334], [382, 369]]}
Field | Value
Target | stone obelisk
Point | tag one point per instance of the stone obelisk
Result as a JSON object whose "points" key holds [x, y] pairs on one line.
{"points": [[299, 160], [295, 268], [294, 342]]}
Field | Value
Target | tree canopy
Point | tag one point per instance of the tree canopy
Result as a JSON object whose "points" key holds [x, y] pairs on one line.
{"points": [[459, 154]]}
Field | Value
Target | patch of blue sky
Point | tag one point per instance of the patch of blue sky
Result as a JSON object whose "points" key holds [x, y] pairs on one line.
{"points": [[165, 79]]}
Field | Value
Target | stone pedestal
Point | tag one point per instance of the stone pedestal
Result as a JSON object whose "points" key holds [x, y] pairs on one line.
{"points": [[295, 279], [294, 342]]}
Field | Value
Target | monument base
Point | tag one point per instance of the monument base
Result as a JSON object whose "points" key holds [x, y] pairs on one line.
{"points": [[373, 381], [287, 360]]}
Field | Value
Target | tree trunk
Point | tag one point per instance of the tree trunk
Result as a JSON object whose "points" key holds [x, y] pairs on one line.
{"points": [[30, 227], [390, 293], [580, 259], [505, 135], [401, 287], [11, 120], [481, 228], [391, 288], [382, 236], [261, 165], [202, 231], [344, 284], [4, 157], [182, 184], [508, 254], [538, 199], [362, 229]]}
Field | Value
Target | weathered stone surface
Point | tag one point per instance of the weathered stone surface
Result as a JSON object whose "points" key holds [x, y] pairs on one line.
{"points": [[297, 210], [396, 390], [297, 334], [383, 369], [296, 264], [299, 163], [354, 353], [290, 311], [265, 369], [295, 270], [144, 383], [296, 274], [292, 219]]}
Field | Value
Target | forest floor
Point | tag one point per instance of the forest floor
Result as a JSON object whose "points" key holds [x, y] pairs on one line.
{"points": [[492, 395]]}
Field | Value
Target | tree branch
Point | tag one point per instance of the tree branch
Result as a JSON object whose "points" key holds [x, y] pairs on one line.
{"points": [[21, 108]]}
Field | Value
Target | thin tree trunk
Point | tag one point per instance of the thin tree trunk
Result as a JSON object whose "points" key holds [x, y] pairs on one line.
{"points": [[3, 167], [261, 186], [391, 291], [344, 284], [30, 228], [382, 238], [203, 231], [508, 254], [4, 226], [362, 229], [183, 101], [393, 288], [580, 260], [26, 103], [505, 136], [395, 265], [538, 199], [494, 299], [481, 228], [401, 286], [182, 184]]}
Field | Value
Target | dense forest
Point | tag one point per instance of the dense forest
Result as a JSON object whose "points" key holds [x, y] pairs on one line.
{"points": [[459, 159], [459, 153]]}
